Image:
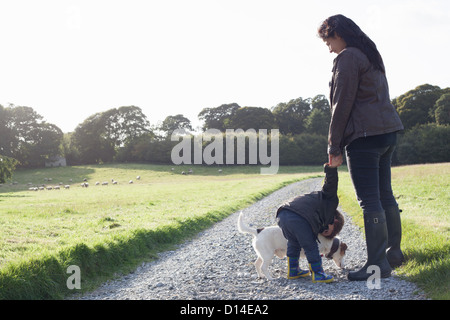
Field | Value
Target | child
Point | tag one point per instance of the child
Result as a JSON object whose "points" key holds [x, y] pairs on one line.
{"points": [[303, 218]]}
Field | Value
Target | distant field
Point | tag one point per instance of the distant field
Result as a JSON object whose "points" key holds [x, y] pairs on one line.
{"points": [[47, 225]]}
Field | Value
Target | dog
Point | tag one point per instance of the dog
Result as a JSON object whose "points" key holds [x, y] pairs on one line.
{"points": [[270, 241]]}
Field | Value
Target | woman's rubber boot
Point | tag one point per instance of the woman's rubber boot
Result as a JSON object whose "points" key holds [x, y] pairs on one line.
{"points": [[294, 272], [394, 228], [317, 273], [376, 240]]}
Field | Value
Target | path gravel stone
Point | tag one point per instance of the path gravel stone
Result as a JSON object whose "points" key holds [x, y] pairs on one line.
{"points": [[218, 264]]}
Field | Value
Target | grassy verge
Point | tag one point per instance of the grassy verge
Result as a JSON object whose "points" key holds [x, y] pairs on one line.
{"points": [[422, 192], [108, 230]]}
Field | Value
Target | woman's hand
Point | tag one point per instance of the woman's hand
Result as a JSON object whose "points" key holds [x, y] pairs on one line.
{"points": [[335, 161]]}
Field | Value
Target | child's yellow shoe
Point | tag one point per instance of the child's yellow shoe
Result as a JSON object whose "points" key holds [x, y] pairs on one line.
{"points": [[294, 272], [318, 275]]}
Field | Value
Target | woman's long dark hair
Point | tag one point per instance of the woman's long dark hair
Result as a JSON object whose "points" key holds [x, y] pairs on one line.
{"points": [[353, 37]]}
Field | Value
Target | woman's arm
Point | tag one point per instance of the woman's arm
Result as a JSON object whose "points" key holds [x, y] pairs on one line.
{"points": [[344, 91]]}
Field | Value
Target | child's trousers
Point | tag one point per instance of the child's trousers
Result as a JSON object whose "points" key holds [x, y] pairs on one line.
{"points": [[299, 234]]}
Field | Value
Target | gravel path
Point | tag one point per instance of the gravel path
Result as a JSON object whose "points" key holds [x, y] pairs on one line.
{"points": [[218, 264]]}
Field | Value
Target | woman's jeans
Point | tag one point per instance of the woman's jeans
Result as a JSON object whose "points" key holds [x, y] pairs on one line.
{"points": [[299, 234], [369, 164]]}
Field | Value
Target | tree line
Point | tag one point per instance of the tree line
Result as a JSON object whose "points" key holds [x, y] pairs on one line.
{"points": [[125, 134]]}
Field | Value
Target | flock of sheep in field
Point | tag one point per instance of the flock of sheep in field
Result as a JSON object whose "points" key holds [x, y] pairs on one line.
{"points": [[84, 184]]}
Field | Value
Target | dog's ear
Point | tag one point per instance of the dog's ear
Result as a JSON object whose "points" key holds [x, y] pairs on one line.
{"points": [[343, 247]]}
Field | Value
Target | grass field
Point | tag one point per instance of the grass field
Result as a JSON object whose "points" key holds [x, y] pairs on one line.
{"points": [[109, 229], [423, 194]]}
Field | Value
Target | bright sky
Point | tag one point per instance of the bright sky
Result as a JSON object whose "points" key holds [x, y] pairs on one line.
{"points": [[69, 59]]}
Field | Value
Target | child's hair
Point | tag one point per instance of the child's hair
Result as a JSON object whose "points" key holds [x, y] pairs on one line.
{"points": [[338, 224]]}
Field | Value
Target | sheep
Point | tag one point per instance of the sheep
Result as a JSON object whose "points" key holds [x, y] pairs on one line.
{"points": [[114, 182], [138, 178], [66, 186], [49, 188], [130, 182], [57, 187], [97, 183], [41, 188], [104, 183], [85, 185]]}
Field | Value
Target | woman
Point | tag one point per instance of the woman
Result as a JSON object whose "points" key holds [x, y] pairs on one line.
{"points": [[365, 124]]}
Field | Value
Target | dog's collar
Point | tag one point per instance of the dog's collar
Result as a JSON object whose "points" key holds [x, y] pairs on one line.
{"points": [[334, 248]]}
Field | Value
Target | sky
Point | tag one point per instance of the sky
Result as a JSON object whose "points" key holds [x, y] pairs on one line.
{"points": [[69, 59]]}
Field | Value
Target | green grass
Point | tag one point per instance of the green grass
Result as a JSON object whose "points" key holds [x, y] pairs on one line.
{"points": [[423, 193], [108, 230]]}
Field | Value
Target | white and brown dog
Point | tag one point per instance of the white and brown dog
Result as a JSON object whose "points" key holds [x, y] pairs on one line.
{"points": [[270, 241]]}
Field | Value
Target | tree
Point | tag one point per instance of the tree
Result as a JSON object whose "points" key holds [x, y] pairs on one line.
{"points": [[5, 132], [98, 138], [426, 143], [290, 117], [124, 124], [69, 150], [26, 137], [47, 140], [442, 109], [252, 118], [91, 140], [19, 123], [320, 102], [416, 106], [219, 117], [172, 123], [7, 167], [303, 149], [318, 121]]}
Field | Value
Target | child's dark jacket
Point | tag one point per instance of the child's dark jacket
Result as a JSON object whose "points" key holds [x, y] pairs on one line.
{"points": [[318, 207]]}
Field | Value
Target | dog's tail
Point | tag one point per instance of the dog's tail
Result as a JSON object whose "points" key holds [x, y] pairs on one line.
{"points": [[243, 228]]}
